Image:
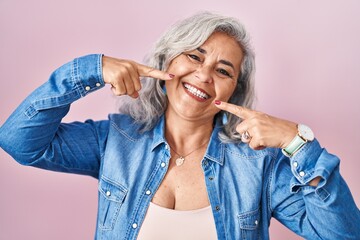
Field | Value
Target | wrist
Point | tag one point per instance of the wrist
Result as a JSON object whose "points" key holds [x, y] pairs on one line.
{"points": [[291, 133], [304, 134], [315, 182]]}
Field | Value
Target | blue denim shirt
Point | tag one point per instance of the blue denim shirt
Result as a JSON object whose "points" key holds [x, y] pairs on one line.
{"points": [[245, 187]]}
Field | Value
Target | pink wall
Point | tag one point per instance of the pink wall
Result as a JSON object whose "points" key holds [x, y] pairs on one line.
{"points": [[308, 71]]}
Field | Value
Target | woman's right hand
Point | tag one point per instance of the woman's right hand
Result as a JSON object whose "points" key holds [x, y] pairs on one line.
{"points": [[124, 75]]}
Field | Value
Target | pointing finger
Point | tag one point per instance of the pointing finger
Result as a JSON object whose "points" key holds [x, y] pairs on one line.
{"points": [[239, 111], [146, 71]]}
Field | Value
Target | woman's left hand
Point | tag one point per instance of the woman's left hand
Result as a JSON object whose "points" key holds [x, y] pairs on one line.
{"points": [[263, 130]]}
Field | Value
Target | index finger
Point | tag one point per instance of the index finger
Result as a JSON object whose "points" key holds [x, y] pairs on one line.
{"points": [[241, 112], [146, 71]]}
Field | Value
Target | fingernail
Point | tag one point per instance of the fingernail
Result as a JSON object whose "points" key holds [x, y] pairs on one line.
{"points": [[171, 75], [217, 102]]}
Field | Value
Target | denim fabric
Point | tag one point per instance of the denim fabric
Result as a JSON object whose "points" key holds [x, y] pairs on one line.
{"points": [[245, 187]]}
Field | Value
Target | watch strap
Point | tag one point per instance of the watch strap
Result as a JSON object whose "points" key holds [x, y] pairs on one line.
{"points": [[294, 146]]}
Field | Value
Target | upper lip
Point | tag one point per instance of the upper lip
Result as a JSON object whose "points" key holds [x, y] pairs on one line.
{"points": [[200, 89]]}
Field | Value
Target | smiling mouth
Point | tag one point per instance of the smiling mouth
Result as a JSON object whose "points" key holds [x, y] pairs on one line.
{"points": [[196, 92]]}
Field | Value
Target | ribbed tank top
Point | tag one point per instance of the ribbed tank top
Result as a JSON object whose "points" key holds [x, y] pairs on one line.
{"points": [[167, 224]]}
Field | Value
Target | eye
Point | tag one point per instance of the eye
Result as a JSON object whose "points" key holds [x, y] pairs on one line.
{"points": [[195, 57], [224, 72]]}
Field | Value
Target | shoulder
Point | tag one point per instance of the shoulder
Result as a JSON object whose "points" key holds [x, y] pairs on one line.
{"points": [[121, 119], [127, 126]]}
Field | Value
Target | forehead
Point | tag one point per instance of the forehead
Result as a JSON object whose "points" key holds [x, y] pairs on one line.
{"points": [[224, 47]]}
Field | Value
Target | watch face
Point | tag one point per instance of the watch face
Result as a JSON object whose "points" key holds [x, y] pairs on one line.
{"points": [[306, 132]]}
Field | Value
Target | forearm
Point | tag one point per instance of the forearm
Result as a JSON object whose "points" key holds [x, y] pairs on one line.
{"points": [[331, 209], [27, 133], [319, 204]]}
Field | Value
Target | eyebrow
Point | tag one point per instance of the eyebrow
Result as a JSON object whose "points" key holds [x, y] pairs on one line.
{"points": [[225, 62]]}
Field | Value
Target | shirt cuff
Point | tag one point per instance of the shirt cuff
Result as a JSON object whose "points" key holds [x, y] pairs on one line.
{"points": [[310, 162], [87, 75]]}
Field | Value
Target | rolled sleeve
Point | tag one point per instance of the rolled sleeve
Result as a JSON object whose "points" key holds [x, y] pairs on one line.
{"points": [[310, 162], [327, 211]]}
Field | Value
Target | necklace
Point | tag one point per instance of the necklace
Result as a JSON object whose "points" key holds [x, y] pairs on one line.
{"points": [[181, 159]]}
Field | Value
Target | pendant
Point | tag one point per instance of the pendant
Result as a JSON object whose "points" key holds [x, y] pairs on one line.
{"points": [[179, 161]]}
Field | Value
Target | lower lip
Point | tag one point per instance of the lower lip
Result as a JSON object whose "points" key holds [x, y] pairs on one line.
{"points": [[199, 99]]}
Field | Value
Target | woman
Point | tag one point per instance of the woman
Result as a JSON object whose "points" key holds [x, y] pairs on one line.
{"points": [[186, 140]]}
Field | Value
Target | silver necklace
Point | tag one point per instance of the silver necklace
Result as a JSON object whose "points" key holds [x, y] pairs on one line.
{"points": [[181, 159]]}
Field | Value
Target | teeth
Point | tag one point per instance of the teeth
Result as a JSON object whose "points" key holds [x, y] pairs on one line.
{"points": [[196, 91]]}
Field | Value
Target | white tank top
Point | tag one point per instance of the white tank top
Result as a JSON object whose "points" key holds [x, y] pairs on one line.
{"points": [[163, 224]]}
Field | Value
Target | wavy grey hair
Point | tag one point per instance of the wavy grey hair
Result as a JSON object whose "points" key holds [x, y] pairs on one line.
{"points": [[188, 35]]}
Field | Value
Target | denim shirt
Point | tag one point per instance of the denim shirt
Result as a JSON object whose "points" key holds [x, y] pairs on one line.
{"points": [[245, 187]]}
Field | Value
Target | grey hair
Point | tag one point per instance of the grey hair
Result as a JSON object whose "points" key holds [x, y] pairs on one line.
{"points": [[188, 35]]}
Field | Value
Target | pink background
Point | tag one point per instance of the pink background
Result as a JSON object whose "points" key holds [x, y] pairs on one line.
{"points": [[308, 71]]}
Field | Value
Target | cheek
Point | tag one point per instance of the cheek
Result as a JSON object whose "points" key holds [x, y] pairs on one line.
{"points": [[179, 68], [225, 90]]}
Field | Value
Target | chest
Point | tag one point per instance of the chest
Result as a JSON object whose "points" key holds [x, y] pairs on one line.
{"points": [[183, 186], [152, 175], [133, 179]]}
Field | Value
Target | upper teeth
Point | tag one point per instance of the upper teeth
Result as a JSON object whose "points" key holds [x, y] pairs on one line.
{"points": [[196, 91]]}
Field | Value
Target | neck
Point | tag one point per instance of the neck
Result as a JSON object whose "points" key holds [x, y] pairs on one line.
{"points": [[186, 134]]}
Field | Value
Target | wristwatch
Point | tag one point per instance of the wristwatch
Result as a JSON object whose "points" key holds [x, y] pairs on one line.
{"points": [[304, 135]]}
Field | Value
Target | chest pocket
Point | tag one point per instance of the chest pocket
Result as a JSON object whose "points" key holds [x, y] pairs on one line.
{"points": [[111, 197], [249, 224]]}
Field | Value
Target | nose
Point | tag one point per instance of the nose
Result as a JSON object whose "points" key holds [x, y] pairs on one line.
{"points": [[203, 73]]}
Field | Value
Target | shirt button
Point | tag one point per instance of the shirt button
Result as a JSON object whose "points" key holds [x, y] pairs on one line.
{"points": [[148, 192], [256, 222], [211, 178], [205, 163], [295, 164], [301, 174], [134, 225], [217, 208], [166, 147], [163, 164], [108, 193], [98, 84], [87, 88]]}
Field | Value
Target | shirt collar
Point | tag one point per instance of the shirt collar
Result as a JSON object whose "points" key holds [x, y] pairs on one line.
{"points": [[216, 149], [159, 133]]}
